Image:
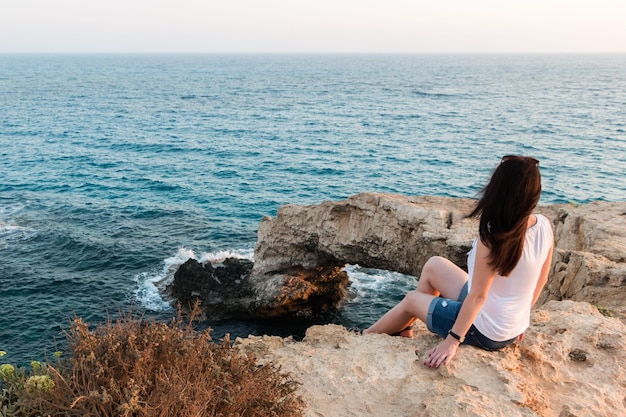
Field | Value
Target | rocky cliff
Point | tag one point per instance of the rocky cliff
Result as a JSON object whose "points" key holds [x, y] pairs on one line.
{"points": [[572, 362], [300, 252], [400, 233]]}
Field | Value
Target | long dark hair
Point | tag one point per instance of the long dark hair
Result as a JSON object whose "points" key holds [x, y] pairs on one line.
{"points": [[506, 203]]}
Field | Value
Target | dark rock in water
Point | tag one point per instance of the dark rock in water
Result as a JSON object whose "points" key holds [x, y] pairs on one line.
{"points": [[191, 280], [233, 270], [226, 290], [223, 291]]}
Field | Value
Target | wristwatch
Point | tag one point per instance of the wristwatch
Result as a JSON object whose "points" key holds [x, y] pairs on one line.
{"points": [[461, 339]]}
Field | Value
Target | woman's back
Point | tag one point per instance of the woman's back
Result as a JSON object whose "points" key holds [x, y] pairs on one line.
{"points": [[506, 311]]}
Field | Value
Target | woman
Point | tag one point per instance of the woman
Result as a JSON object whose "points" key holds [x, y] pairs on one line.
{"points": [[508, 267]]}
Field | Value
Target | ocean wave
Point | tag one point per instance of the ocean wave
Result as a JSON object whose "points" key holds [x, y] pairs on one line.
{"points": [[374, 284], [151, 286], [9, 232], [220, 256]]}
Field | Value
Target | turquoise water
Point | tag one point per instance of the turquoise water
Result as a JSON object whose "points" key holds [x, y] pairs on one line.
{"points": [[117, 168]]}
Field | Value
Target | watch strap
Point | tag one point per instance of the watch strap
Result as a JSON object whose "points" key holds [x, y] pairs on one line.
{"points": [[461, 339]]}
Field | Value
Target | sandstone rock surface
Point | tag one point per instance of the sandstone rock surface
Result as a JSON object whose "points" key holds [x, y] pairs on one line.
{"points": [[589, 262], [572, 363], [384, 231]]}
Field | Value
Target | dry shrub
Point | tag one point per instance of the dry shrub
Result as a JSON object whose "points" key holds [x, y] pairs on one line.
{"points": [[134, 368]]}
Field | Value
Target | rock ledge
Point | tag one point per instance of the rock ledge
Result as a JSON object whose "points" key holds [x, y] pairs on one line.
{"points": [[572, 363]]}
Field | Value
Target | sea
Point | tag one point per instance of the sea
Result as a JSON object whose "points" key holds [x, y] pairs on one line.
{"points": [[116, 169]]}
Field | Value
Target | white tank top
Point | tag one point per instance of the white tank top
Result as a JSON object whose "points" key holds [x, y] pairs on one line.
{"points": [[506, 312]]}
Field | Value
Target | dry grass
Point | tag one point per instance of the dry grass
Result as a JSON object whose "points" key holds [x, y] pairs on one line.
{"points": [[132, 368]]}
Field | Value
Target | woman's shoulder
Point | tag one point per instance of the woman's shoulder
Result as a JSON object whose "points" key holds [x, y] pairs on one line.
{"points": [[542, 219], [543, 224]]}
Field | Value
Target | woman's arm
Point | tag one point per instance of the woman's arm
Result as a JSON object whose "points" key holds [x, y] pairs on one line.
{"points": [[481, 282], [543, 276]]}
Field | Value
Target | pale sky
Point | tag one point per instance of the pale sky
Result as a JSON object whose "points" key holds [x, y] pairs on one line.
{"points": [[313, 26]]}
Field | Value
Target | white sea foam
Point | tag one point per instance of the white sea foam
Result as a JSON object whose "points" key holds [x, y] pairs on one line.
{"points": [[147, 293], [366, 282], [220, 256], [151, 286]]}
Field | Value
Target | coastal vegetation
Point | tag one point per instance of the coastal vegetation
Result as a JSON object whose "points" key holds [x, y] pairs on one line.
{"points": [[134, 368]]}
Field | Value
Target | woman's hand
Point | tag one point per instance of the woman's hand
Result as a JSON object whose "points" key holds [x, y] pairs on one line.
{"points": [[443, 353]]}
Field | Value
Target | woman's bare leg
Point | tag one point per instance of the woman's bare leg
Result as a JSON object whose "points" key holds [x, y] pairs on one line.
{"points": [[413, 305], [442, 277], [439, 276]]}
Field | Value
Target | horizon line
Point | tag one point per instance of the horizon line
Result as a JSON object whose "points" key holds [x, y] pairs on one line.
{"points": [[310, 53]]}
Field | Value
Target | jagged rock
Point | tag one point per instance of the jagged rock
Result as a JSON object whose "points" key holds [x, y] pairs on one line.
{"points": [[383, 231], [572, 362], [223, 291], [190, 280], [369, 229], [589, 262], [233, 270], [304, 293], [226, 291]]}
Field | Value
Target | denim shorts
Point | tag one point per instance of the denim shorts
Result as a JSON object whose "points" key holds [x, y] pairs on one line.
{"points": [[442, 314]]}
